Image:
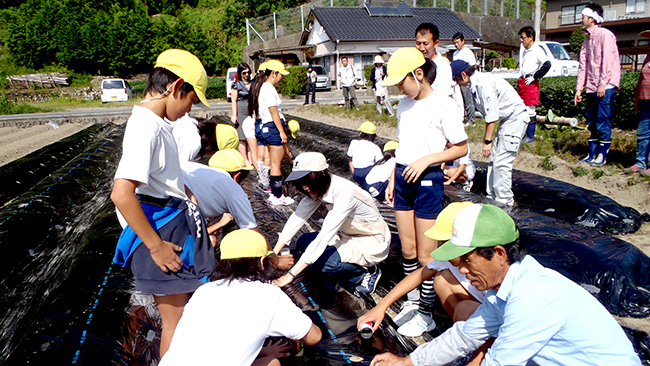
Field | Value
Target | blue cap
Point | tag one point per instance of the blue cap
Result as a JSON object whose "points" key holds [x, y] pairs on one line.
{"points": [[458, 66]]}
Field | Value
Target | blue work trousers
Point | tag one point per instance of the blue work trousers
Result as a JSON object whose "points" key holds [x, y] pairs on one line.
{"points": [[643, 134], [599, 112]]}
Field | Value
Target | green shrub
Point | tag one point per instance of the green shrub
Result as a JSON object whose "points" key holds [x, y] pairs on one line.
{"points": [[138, 87], [10, 107], [216, 88], [367, 69], [579, 171], [509, 63], [294, 83], [547, 164], [597, 173]]}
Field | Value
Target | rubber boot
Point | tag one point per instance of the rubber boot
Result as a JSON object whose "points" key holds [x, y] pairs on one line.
{"points": [[601, 158], [530, 131], [593, 146]]}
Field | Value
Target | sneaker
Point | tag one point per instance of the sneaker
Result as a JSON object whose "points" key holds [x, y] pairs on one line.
{"points": [[467, 186], [419, 324], [280, 201], [265, 188], [633, 169], [369, 282], [407, 312], [646, 173]]}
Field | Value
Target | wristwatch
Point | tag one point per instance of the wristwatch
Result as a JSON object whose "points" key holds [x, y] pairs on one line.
{"points": [[487, 142]]}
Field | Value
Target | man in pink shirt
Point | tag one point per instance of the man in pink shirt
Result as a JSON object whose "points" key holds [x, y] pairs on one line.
{"points": [[600, 74]]}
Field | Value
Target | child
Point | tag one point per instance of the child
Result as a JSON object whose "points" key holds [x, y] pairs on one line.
{"points": [[363, 152], [462, 171], [266, 105], [459, 298], [427, 119], [354, 237], [497, 101], [378, 177], [228, 319], [149, 184]]}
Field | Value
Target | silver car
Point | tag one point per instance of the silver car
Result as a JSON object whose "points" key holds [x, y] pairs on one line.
{"points": [[323, 81]]}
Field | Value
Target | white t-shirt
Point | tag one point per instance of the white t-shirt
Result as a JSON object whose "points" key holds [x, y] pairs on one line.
{"points": [[188, 140], [466, 55], [364, 153], [226, 323], [217, 193], [467, 161], [531, 59], [444, 81], [424, 126], [381, 172], [269, 97], [150, 156], [462, 279]]}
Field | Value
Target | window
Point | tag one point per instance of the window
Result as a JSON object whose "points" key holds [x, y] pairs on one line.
{"points": [[572, 14], [635, 7]]}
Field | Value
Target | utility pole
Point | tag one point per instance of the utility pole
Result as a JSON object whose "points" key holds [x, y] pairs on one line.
{"points": [[538, 18]]}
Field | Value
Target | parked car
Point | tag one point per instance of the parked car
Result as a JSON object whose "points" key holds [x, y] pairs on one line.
{"points": [[323, 81], [561, 62], [230, 78], [116, 90]]}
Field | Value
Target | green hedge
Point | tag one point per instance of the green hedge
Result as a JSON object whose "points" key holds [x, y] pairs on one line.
{"points": [[556, 93], [294, 83], [216, 88]]}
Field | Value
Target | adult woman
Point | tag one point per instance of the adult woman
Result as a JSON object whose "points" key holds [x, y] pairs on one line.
{"points": [[354, 237], [265, 104], [239, 97], [642, 106]]}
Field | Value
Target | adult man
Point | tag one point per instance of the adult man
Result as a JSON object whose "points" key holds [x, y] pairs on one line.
{"points": [[347, 80], [427, 39], [465, 54], [533, 64], [497, 101], [535, 313], [600, 73], [311, 85]]}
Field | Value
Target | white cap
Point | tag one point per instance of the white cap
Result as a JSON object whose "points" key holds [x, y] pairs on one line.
{"points": [[306, 163]]}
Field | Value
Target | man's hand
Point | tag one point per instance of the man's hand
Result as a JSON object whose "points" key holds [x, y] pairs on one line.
{"points": [[530, 80], [487, 150], [387, 359], [578, 97], [165, 257], [600, 93]]}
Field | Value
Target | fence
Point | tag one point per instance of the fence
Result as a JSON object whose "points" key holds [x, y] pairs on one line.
{"points": [[292, 21]]}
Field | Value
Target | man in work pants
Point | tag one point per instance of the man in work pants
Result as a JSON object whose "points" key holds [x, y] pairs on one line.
{"points": [[348, 81], [497, 101]]}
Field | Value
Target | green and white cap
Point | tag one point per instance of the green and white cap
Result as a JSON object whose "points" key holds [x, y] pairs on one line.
{"points": [[477, 226]]}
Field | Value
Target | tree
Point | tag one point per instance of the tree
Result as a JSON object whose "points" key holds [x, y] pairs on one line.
{"points": [[576, 40]]}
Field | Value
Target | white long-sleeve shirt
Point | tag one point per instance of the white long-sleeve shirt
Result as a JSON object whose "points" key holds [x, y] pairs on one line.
{"points": [[352, 218]]}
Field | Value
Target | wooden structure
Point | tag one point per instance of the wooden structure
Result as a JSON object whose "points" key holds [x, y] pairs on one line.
{"points": [[51, 80]]}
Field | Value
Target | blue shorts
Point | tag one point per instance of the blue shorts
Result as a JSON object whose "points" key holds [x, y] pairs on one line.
{"points": [[359, 175], [267, 134], [425, 196]]}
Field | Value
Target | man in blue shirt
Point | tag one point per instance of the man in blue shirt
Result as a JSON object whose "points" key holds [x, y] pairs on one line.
{"points": [[535, 313]]}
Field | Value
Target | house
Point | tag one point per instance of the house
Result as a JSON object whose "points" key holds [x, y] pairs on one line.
{"points": [[625, 18], [360, 33]]}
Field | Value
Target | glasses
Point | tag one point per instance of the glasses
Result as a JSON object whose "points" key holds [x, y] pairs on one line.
{"points": [[245, 72], [523, 37]]}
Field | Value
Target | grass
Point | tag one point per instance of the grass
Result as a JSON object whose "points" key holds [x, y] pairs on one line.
{"points": [[366, 111]]}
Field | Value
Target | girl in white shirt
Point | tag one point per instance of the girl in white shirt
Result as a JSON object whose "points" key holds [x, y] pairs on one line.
{"points": [[377, 179], [363, 152]]}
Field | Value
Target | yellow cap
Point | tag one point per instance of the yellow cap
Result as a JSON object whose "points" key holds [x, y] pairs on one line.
{"points": [[262, 66], [391, 145], [229, 160], [188, 67], [294, 127], [275, 65], [441, 230], [243, 243], [402, 62], [227, 136], [368, 127]]}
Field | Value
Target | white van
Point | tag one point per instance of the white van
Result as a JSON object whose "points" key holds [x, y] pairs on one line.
{"points": [[561, 63], [116, 90], [322, 78], [230, 78]]}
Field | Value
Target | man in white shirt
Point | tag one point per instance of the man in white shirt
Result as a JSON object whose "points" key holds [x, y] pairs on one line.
{"points": [[465, 54], [347, 81], [427, 39], [534, 63]]}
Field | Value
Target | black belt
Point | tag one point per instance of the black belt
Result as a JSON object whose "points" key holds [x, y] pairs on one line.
{"points": [[160, 202]]}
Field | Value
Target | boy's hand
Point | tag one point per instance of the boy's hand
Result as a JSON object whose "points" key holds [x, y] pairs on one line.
{"points": [[164, 255], [375, 315]]}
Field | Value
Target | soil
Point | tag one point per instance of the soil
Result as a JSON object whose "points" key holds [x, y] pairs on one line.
{"points": [[16, 142]]}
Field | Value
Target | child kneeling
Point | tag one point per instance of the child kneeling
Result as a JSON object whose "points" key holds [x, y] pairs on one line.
{"points": [[227, 320]]}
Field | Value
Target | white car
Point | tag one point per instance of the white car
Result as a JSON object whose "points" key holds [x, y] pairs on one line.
{"points": [[230, 78], [116, 90], [561, 63], [322, 78]]}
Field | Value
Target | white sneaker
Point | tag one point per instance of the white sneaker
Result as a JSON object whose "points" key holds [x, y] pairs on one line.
{"points": [[407, 312], [280, 201], [417, 325]]}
